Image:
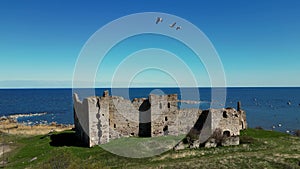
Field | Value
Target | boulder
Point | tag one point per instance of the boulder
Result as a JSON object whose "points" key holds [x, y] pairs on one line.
{"points": [[179, 146], [211, 143], [231, 141], [195, 144]]}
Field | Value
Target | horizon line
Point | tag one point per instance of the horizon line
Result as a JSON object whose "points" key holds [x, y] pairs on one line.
{"points": [[3, 88]]}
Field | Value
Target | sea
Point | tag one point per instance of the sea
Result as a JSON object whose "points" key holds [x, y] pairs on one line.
{"points": [[271, 108]]}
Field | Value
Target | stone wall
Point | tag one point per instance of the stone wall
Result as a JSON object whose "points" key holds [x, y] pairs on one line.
{"points": [[243, 121], [144, 107], [215, 127], [186, 119], [98, 119], [228, 120], [101, 119], [91, 120], [164, 114], [81, 119], [123, 118]]}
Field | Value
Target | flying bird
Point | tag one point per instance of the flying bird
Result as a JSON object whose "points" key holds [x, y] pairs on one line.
{"points": [[159, 19], [178, 27], [172, 25]]}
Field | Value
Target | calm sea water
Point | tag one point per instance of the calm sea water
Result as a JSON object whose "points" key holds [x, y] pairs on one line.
{"points": [[265, 107]]}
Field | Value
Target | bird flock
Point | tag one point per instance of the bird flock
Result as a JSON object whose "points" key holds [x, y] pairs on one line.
{"points": [[173, 25]]}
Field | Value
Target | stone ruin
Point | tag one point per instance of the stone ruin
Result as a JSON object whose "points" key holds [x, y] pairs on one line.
{"points": [[101, 119]]}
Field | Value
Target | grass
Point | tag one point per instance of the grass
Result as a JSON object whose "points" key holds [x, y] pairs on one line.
{"points": [[142, 147], [259, 149]]}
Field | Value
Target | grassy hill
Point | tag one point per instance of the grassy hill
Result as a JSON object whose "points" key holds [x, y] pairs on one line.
{"points": [[258, 149]]}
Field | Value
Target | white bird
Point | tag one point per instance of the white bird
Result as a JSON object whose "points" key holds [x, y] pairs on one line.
{"points": [[279, 125], [178, 27], [159, 19], [172, 25], [273, 127]]}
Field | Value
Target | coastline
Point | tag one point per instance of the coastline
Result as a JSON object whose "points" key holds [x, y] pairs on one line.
{"points": [[9, 125]]}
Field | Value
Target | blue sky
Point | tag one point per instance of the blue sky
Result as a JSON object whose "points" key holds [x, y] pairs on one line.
{"points": [[258, 42]]}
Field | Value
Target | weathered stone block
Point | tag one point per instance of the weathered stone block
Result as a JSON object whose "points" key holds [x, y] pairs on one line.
{"points": [[210, 143], [230, 141]]}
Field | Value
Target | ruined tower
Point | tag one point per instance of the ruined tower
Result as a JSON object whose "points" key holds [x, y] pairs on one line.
{"points": [[164, 114]]}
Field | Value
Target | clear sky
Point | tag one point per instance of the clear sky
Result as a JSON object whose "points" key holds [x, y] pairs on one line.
{"points": [[257, 41]]}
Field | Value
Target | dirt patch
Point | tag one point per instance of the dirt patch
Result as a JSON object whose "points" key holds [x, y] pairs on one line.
{"points": [[287, 155], [178, 155], [4, 148]]}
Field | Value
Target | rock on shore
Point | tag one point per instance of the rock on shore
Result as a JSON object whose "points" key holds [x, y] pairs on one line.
{"points": [[11, 126]]}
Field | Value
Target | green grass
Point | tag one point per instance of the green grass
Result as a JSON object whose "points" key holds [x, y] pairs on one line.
{"points": [[259, 149], [141, 147]]}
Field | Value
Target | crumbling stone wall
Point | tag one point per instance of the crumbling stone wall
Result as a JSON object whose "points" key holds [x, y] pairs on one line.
{"points": [[98, 120], [81, 122], [101, 119], [225, 126], [243, 122], [123, 118], [226, 119], [90, 121], [164, 114], [214, 127], [186, 119], [144, 107]]}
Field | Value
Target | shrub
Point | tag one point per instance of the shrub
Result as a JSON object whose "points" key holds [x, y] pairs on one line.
{"points": [[246, 140], [259, 128], [297, 133]]}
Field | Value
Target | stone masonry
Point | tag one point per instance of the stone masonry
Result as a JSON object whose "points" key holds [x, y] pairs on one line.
{"points": [[101, 119]]}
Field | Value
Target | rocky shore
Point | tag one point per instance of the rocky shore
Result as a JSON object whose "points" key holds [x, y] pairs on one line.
{"points": [[10, 125], [16, 116]]}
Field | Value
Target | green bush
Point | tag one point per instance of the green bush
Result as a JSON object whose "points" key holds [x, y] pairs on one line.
{"points": [[297, 133], [247, 140], [259, 128]]}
